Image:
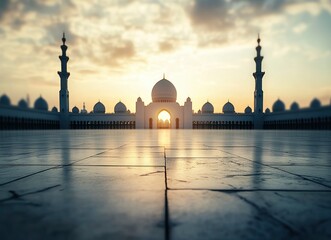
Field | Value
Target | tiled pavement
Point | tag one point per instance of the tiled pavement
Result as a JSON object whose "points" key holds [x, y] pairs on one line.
{"points": [[188, 184]]}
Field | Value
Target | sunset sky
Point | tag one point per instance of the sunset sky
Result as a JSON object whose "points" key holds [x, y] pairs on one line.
{"points": [[119, 49]]}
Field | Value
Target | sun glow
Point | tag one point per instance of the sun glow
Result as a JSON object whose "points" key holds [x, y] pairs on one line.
{"points": [[164, 120], [164, 116]]}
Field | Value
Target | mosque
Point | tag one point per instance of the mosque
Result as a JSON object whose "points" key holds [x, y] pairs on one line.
{"points": [[163, 112]]}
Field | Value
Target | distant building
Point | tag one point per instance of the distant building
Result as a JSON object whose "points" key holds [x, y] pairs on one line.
{"points": [[163, 112]]}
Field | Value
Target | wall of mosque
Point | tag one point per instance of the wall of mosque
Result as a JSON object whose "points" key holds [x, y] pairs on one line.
{"points": [[140, 114], [13, 117], [223, 121], [306, 118], [102, 121]]}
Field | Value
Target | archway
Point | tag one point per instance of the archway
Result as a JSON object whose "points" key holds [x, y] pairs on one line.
{"points": [[164, 119]]}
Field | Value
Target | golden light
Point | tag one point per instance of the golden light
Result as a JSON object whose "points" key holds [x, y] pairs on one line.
{"points": [[164, 116]]}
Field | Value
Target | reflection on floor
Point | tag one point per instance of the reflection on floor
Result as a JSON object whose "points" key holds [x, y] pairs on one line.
{"points": [[165, 184]]}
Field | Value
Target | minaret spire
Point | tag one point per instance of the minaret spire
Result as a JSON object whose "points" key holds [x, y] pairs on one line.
{"points": [[64, 75], [258, 75], [64, 38]]}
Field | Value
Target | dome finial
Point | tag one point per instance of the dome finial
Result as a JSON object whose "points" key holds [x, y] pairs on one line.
{"points": [[258, 39], [163, 75], [64, 38]]}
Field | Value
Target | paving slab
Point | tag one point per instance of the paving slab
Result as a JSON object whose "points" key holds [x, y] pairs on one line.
{"points": [[232, 173], [249, 215], [178, 184], [85, 203]]}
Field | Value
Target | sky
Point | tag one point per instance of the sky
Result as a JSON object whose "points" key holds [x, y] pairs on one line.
{"points": [[119, 49]]}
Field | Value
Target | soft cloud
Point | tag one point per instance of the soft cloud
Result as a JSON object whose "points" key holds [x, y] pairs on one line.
{"points": [[115, 54], [218, 21], [37, 80], [167, 46], [4, 5], [300, 28]]}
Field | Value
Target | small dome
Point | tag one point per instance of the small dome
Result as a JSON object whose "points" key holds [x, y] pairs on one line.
{"points": [[139, 99], [120, 107], [199, 112], [207, 108], [22, 104], [41, 104], [294, 106], [278, 106], [228, 108], [75, 110], [99, 108], [315, 103], [248, 109], [267, 110], [4, 100], [164, 91], [54, 109], [188, 99]]}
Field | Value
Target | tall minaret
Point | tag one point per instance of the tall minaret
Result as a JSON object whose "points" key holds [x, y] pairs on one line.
{"points": [[258, 75], [64, 75]]}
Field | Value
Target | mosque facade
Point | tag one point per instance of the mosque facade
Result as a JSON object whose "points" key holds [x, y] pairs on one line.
{"points": [[163, 112]]}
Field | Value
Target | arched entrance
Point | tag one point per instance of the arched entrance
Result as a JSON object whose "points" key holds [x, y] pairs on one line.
{"points": [[164, 119]]}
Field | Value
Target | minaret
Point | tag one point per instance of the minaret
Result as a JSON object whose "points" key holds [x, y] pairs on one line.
{"points": [[64, 75], [258, 75]]}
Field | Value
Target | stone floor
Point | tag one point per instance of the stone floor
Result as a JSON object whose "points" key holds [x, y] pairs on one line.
{"points": [[186, 184]]}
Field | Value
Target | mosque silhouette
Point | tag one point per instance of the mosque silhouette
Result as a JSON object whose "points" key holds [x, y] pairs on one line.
{"points": [[163, 112]]}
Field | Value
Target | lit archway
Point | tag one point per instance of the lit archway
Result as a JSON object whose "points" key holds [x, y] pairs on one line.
{"points": [[164, 119]]}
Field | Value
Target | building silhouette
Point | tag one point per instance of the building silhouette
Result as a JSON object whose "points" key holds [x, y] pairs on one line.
{"points": [[164, 102]]}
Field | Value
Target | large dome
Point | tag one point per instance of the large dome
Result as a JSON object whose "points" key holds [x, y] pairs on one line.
{"points": [[41, 104], [278, 106], [164, 91], [120, 107], [99, 108], [207, 108], [315, 103], [4, 100], [228, 108]]}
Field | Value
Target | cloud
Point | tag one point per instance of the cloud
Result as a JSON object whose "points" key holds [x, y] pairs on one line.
{"points": [[16, 13], [115, 52], [167, 46], [53, 33], [219, 21], [300, 28], [4, 5], [37, 80], [211, 14], [87, 71]]}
